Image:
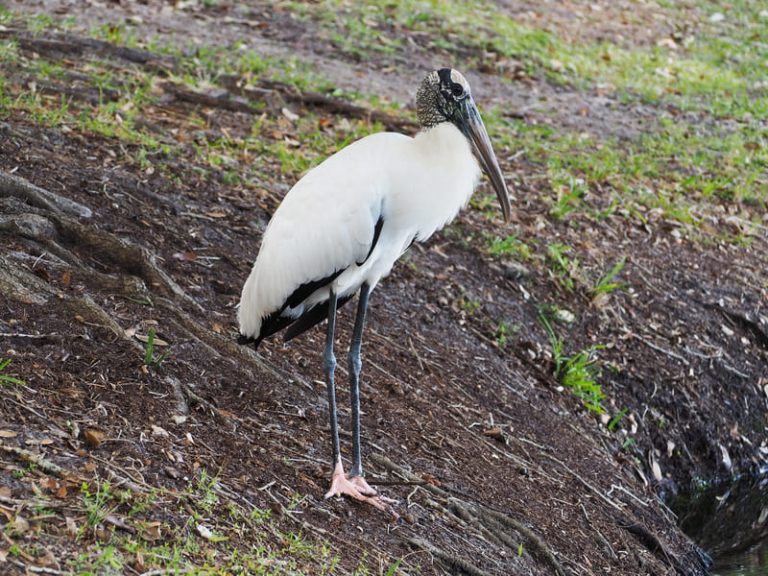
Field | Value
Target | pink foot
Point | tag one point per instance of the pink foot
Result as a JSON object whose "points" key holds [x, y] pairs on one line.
{"points": [[364, 488], [356, 488]]}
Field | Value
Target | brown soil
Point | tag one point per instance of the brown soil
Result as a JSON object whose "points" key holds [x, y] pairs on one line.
{"points": [[502, 448]]}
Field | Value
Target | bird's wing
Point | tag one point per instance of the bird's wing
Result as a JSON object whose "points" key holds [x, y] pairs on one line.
{"points": [[328, 222]]}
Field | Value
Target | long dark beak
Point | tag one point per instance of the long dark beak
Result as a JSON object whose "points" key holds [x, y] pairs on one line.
{"points": [[474, 129]]}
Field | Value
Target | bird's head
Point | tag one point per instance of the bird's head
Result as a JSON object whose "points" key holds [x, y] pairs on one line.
{"points": [[444, 96]]}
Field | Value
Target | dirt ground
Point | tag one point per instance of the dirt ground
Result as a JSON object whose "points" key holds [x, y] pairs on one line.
{"points": [[496, 469]]}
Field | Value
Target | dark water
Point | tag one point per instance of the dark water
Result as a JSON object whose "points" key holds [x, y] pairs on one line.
{"points": [[731, 523], [750, 562]]}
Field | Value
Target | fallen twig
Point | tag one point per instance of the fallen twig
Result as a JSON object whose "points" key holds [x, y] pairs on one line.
{"points": [[311, 99], [37, 460]]}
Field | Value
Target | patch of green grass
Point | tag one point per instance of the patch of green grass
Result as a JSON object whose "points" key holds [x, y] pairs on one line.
{"points": [[503, 331], [151, 360], [117, 33], [6, 379], [468, 304], [720, 69], [198, 530], [569, 193], [606, 284], [681, 171], [509, 246], [9, 51], [578, 372], [40, 22], [98, 505], [616, 419], [564, 268]]}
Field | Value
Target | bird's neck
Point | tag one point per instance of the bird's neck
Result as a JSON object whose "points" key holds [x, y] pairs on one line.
{"points": [[446, 175]]}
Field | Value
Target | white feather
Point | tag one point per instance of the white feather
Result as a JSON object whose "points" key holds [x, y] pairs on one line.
{"points": [[326, 221]]}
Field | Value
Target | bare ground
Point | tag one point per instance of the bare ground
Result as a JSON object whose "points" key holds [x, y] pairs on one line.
{"points": [[483, 449]]}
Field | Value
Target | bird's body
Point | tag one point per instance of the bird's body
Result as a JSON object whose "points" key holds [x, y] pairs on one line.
{"points": [[343, 226], [327, 222]]}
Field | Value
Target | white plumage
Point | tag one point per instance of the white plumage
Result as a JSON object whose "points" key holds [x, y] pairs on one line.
{"points": [[343, 226], [326, 222]]}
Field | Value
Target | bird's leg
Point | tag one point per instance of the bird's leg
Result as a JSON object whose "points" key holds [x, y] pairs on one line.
{"points": [[355, 364], [340, 484], [330, 368]]}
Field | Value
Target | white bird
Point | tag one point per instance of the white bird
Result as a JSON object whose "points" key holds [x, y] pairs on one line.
{"points": [[343, 226]]}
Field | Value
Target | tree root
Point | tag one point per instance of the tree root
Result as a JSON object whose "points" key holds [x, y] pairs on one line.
{"points": [[222, 99], [19, 187], [454, 564], [38, 460], [494, 525], [216, 342], [24, 287], [36, 225], [310, 99], [71, 44], [128, 256]]}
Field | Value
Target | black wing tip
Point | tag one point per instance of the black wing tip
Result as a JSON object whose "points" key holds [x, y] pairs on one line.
{"points": [[249, 340]]}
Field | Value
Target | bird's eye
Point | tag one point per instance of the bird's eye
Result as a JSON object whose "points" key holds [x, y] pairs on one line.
{"points": [[457, 90]]}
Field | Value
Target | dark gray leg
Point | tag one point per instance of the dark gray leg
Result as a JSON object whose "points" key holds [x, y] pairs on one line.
{"points": [[330, 368], [354, 379]]}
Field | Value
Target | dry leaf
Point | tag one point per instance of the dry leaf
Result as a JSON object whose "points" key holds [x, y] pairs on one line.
{"points": [[47, 559], [93, 438], [726, 457], [656, 469], [138, 562], [429, 479], [61, 492], [186, 256], [495, 433], [20, 525], [71, 526], [8, 434], [5, 492], [160, 432], [145, 338], [152, 532]]}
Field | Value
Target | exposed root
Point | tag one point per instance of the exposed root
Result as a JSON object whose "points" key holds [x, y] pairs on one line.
{"points": [[24, 287], [20, 188], [220, 99], [38, 460], [651, 542], [226, 345], [21, 286], [329, 104], [453, 563], [53, 224], [71, 44], [130, 257], [494, 525]]}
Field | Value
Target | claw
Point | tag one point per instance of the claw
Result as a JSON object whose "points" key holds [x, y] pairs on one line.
{"points": [[357, 488], [364, 488]]}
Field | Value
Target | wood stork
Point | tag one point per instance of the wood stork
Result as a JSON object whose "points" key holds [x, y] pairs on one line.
{"points": [[342, 227]]}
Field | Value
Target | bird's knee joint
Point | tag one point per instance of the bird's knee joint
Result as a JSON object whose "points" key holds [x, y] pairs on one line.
{"points": [[355, 364]]}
